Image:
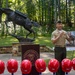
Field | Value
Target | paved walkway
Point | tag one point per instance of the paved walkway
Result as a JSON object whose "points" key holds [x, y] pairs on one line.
{"points": [[44, 55]]}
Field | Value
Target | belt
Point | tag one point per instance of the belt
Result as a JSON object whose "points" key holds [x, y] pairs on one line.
{"points": [[59, 45]]}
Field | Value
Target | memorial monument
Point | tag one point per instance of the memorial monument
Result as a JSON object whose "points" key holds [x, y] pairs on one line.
{"points": [[29, 50]]}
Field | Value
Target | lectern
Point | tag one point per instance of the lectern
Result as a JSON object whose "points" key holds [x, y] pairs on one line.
{"points": [[32, 53]]}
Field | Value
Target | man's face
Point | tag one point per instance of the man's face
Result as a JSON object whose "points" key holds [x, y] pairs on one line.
{"points": [[59, 26]]}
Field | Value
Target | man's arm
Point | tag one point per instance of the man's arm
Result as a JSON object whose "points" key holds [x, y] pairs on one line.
{"points": [[55, 40], [68, 38]]}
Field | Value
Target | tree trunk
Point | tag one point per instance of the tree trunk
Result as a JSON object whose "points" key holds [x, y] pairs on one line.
{"points": [[39, 17], [6, 26], [6, 3], [59, 9], [74, 13], [55, 11], [42, 11], [0, 7], [66, 12]]}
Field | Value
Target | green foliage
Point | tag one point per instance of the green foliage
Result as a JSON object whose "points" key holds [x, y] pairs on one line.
{"points": [[30, 8], [71, 54]]}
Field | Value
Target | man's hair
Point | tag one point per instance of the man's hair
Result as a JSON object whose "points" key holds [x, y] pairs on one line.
{"points": [[59, 21]]}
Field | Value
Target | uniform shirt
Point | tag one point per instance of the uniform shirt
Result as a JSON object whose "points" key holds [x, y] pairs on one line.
{"points": [[61, 41]]}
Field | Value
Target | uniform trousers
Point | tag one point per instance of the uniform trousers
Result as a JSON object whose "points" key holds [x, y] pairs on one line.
{"points": [[60, 54]]}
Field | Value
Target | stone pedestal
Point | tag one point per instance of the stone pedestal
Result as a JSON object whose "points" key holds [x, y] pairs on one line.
{"points": [[32, 53], [15, 49]]}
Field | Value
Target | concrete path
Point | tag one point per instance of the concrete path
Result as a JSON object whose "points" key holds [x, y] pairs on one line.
{"points": [[43, 55]]}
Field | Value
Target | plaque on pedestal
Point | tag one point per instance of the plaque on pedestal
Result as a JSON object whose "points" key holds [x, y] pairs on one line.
{"points": [[32, 53]]}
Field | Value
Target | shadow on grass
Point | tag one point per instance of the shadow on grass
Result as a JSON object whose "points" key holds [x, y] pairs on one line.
{"points": [[7, 41], [39, 40]]}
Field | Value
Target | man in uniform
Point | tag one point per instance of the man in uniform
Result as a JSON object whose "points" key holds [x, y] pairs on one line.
{"points": [[58, 38]]}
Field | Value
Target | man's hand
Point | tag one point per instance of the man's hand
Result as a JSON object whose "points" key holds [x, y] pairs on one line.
{"points": [[60, 34]]}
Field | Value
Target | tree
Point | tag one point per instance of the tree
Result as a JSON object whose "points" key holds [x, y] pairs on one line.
{"points": [[46, 12], [0, 7]]}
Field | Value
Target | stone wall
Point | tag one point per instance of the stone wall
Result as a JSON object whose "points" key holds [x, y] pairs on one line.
{"points": [[5, 49], [16, 51]]}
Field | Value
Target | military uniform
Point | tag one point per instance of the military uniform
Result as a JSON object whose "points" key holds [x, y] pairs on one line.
{"points": [[60, 49]]}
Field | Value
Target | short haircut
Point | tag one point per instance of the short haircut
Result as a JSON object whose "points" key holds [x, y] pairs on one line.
{"points": [[59, 21]]}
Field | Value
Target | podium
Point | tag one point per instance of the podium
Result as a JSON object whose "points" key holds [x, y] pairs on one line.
{"points": [[32, 53]]}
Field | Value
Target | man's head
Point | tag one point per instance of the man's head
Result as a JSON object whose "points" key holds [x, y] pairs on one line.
{"points": [[59, 25]]}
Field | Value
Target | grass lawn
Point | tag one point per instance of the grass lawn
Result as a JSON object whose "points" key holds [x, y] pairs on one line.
{"points": [[71, 54], [44, 41], [39, 40], [7, 41]]}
